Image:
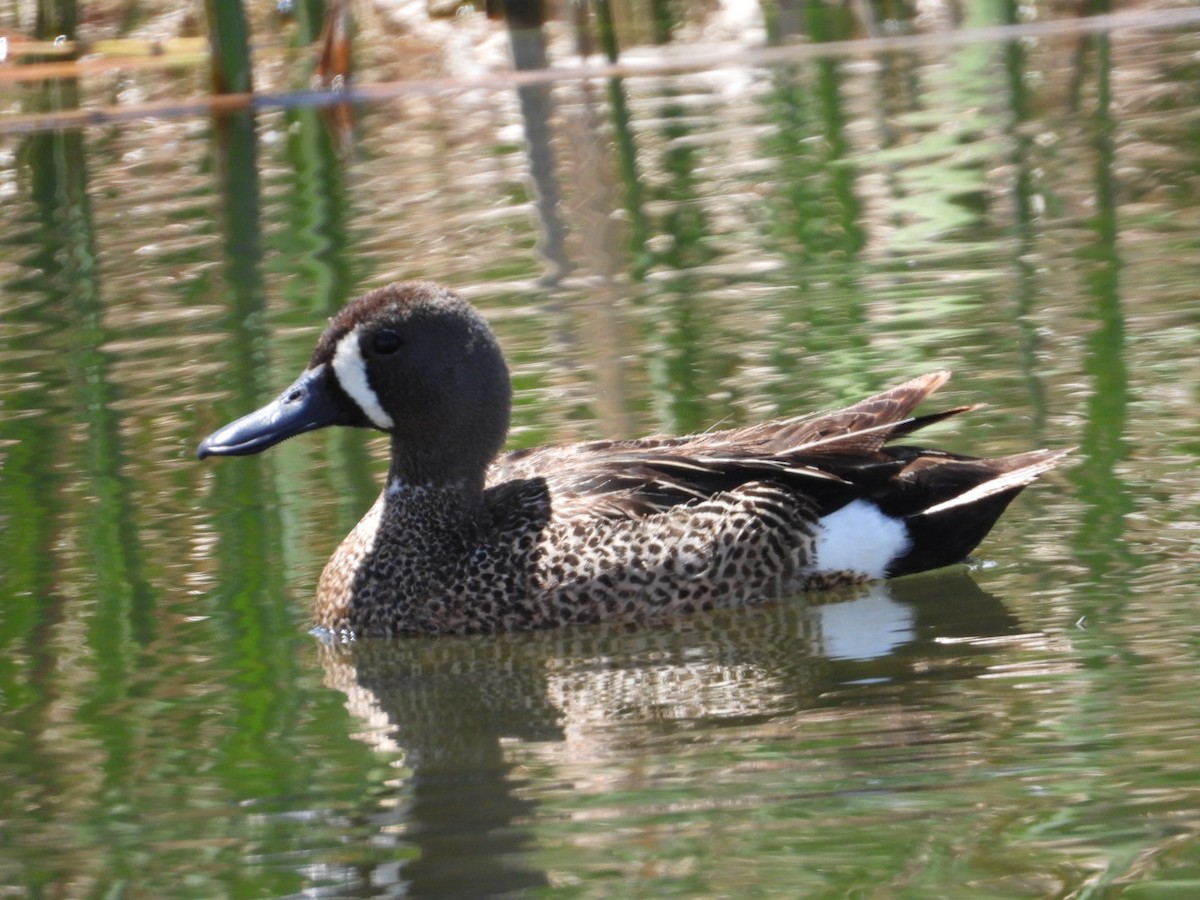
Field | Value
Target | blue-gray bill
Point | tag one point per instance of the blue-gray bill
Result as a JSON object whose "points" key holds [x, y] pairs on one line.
{"points": [[308, 404]]}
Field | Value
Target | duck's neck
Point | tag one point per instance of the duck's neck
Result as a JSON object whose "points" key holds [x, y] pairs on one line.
{"points": [[434, 470], [436, 521], [443, 518]]}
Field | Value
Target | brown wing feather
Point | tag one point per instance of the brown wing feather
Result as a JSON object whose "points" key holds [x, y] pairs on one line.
{"points": [[829, 455]]}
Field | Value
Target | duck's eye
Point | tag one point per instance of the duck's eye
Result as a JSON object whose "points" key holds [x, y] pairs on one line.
{"points": [[386, 342]]}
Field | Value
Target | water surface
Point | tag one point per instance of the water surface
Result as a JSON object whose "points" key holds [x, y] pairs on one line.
{"points": [[662, 252]]}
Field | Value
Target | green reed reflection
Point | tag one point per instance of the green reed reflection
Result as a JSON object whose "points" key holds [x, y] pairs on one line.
{"points": [[316, 234], [36, 478], [815, 227], [1023, 196], [1102, 488], [680, 376], [250, 606]]}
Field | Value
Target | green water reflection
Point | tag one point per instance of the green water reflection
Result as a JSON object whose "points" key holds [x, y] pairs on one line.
{"points": [[713, 246]]}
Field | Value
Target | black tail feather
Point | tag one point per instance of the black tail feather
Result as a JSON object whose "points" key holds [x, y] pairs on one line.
{"points": [[957, 520]]}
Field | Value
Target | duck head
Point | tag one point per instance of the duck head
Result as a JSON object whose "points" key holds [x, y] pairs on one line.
{"points": [[412, 359]]}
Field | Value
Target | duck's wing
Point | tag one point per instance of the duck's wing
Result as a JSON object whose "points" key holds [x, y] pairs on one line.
{"points": [[832, 456], [827, 460], [864, 427]]}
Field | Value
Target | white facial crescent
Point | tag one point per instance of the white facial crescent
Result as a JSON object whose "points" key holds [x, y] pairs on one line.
{"points": [[351, 371]]}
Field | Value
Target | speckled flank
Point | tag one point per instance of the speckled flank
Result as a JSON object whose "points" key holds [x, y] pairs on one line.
{"points": [[465, 541], [533, 569]]}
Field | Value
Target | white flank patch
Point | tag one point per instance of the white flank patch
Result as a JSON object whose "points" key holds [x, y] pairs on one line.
{"points": [[351, 371], [860, 538]]}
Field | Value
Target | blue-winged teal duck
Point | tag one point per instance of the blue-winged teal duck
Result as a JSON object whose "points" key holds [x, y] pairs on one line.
{"points": [[466, 540]]}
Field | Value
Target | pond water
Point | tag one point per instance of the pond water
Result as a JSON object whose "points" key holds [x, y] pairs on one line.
{"points": [[720, 238]]}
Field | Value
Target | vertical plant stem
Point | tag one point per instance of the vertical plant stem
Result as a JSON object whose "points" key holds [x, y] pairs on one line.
{"points": [[229, 37]]}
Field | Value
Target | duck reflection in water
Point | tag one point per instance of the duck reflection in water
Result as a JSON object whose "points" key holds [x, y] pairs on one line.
{"points": [[461, 718]]}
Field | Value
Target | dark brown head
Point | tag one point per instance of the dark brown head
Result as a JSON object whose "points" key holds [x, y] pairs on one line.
{"points": [[412, 359]]}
